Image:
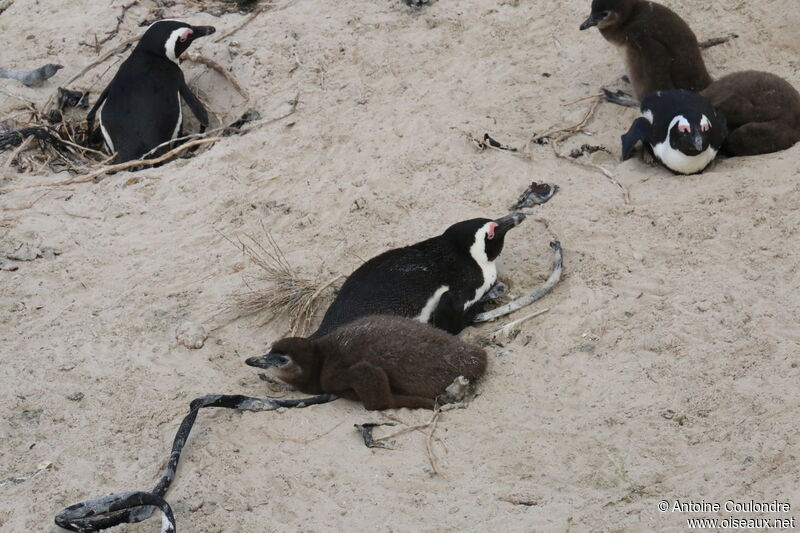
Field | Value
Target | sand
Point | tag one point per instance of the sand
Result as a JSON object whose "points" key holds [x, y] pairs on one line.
{"points": [[666, 368]]}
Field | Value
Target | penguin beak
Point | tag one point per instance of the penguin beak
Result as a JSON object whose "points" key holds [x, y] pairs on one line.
{"points": [[697, 141], [202, 31], [508, 222], [593, 19], [270, 360]]}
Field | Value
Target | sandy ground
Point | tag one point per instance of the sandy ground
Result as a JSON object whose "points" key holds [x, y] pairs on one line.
{"points": [[666, 368]]}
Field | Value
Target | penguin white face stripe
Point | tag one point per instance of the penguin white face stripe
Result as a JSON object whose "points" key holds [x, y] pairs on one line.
{"points": [[488, 268], [683, 124], [169, 47], [705, 124], [430, 305], [647, 115]]}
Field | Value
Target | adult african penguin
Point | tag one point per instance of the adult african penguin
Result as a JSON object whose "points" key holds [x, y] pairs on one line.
{"points": [[762, 110], [682, 129], [141, 107], [659, 48], [438, 281], [384, 361]]}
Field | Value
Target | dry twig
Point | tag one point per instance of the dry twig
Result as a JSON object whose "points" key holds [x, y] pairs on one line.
{"points": [[197, 58], [429, 442], [119, 166], [253, 15]]}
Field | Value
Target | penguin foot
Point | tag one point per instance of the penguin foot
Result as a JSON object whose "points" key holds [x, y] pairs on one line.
{"points": [[620, 98], [495, 292], [535, 194]]}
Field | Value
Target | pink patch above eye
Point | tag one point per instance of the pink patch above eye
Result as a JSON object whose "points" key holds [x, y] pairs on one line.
{"points": [[185, 35], [684, 129], [490, 232], [704, 127]]}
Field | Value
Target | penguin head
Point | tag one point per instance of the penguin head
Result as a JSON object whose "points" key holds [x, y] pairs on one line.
{"points": [[608, 13], [170, 38], [294, 360], [690, 133], [482, 238]]}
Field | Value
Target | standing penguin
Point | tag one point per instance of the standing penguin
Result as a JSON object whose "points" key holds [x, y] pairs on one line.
{"points": [[682, 129], [762, 109], [660, 49], [141, 107]]}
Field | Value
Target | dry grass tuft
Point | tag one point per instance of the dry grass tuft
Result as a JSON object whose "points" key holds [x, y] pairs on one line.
{"points": [[278, 288]]}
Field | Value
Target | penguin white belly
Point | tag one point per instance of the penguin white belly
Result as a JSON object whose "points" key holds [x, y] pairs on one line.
{"points": [[425, 315], [680, 162], [106, 136]]}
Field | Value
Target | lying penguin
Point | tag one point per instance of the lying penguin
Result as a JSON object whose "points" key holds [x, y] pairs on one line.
{"points": [[439, 280], [141, 107], [660, 50], [385, 362], [762, 110], [681, 128]]}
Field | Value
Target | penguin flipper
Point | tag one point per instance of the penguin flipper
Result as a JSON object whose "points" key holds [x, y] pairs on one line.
{"points": [[639, 131], [194, 104], [449, 314], [93, 111]]}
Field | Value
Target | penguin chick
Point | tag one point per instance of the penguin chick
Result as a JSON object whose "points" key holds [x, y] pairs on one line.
{"points": [[439, 280], [385, 362], [31, 78], [659, 48], [682, 129], [762, 109], [141, 107]]}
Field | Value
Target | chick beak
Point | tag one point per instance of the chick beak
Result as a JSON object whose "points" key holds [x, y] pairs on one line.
{"points": [[270, 360], [591, 21]]}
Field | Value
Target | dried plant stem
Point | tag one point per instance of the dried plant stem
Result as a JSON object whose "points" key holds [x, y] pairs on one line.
{"points": [[197, 58], [250, 18], [429, 442], [119, 166], [119, 48]]}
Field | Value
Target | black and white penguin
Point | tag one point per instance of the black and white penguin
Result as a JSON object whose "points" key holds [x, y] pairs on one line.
{"points": [[437, 281], [762, 110], [659, 48], [141, 107], [682, 129]]}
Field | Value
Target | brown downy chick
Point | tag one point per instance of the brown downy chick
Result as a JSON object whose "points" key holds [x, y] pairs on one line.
{"points": [[383, 361], [762, 110], [659, 48]]}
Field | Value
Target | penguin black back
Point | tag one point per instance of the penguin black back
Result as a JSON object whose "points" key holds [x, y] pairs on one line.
{"points": [[660, 49], [763, 112], [437, 280], [383, 361], [141, 107], [681, 128]]}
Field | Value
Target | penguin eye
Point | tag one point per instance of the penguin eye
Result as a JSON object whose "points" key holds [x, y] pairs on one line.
{"points": [[684, 128], [605, 14], [490, 231], [185, 35]]}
